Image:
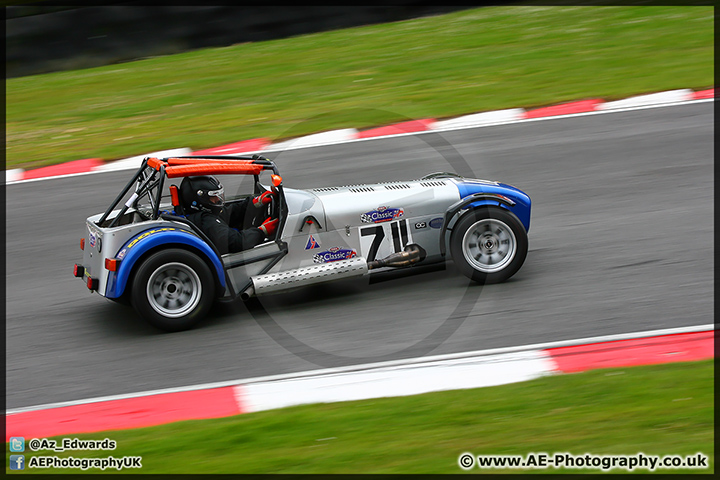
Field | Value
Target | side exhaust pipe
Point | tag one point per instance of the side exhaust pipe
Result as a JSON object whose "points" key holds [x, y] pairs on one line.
{"points": [[300, 277], [410, 255], [354, 267]]}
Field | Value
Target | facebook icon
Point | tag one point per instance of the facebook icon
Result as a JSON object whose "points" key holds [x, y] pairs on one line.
{"points": [[17, 462]]}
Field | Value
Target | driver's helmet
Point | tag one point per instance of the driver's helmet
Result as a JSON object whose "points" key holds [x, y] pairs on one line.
{"points": [[202, 194]]}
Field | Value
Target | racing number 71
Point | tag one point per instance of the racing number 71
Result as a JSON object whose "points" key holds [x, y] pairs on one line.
{"points": [[398, 233]]}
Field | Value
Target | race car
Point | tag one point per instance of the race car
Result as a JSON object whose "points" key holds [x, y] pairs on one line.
{"points": [[143, 251]]}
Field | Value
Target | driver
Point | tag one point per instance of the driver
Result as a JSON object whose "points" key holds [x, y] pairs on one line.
{"points": [[203, 201]]}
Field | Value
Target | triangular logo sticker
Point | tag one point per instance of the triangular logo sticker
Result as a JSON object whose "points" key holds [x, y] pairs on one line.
{"points": [[312, 243]]}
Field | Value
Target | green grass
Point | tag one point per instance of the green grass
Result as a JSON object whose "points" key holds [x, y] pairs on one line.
{"points": [[442, 66], [657, 410]]}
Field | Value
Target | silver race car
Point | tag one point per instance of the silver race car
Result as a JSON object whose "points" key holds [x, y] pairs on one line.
{"points": [[144, 251]]}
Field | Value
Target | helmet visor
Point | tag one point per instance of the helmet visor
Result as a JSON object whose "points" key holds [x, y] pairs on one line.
{"points": [[217, 197]]}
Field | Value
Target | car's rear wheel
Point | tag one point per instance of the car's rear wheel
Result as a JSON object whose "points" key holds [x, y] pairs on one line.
{"points": [[173, 289], [489, 244]]}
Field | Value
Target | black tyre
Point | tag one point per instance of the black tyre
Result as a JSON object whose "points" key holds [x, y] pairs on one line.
{"points": [[489, 244], [173, 289]]}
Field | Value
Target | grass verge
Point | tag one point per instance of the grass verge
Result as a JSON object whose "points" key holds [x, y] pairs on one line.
{"points": [[434, 67], [657, 410]]}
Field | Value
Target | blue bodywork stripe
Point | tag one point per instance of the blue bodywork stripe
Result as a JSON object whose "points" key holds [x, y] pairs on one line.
{"points": [[117, 281]]}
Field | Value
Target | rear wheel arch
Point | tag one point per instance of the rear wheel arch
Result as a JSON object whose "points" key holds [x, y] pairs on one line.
{"points": [[172, 288], [180, 246]]}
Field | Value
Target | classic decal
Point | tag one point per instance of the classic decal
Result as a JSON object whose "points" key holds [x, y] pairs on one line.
{"points": [[420, 225], [93, 239], [312, 243], [436, 223], [381, 214], [333, 254], [121, 254]]}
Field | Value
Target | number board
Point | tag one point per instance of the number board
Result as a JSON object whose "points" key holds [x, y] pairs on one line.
{"points": [[383, 239]]}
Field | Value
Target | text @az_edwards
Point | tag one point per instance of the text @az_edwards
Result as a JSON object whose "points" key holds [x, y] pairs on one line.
{"points": [[466, 461], [64, 444]]}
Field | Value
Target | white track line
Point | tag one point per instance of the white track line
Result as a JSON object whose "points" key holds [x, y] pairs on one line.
{"points": [[422, 361], [332, 137], [493, 118], [131, 163], [670, 96], [527, 120]]}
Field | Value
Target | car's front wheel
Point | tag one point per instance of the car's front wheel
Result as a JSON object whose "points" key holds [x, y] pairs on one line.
{"points": [[488, 244], [173, 289]]}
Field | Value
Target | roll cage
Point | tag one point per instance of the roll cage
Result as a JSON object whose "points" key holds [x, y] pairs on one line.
{"points": [[149, 181]]}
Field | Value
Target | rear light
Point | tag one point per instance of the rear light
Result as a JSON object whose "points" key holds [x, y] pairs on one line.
{"points": [[93, 283], [112, 264], [79, 270], [82, 243]]}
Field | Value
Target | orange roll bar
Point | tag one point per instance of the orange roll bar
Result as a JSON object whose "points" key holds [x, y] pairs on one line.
{"points": [[155, 163], [205, 161], [213, 169]]}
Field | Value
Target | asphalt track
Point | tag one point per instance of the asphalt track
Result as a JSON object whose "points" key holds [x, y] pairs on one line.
{"points": [[621, 240]]}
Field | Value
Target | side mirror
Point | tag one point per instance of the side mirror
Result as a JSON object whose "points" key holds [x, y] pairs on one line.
{"points": [[276, 180]]}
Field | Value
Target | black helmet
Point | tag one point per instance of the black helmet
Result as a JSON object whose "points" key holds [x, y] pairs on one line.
{"points": [[204, 193]]}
